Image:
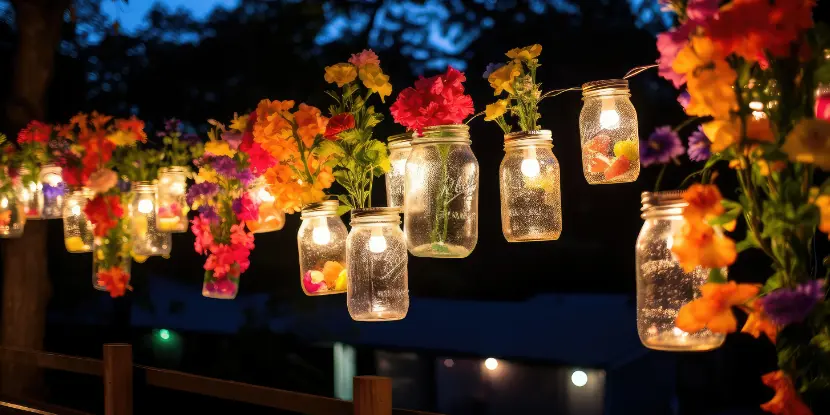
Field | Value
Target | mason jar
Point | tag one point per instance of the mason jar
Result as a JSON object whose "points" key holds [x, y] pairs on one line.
{"points": [[147, 239], [12, 211], [531, 202], [52, 192], [321, 242], [30, 193], [608, 127], [111, 258], [441, 194], [269, 218], [821, 104], [172, 208], [399, 148], [663, 287], [78, 233], [377, 272]]}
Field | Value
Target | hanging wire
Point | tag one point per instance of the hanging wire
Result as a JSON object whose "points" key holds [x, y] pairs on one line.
{"points": [[638, 70], [631, 73]]}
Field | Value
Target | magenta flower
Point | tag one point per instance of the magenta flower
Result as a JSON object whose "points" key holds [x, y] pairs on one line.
{"points": [[669, 45], [701, 10], [786, 306], [661, 147]]}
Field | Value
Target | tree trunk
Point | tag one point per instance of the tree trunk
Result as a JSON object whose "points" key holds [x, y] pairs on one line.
{"points": [[26, 287]]}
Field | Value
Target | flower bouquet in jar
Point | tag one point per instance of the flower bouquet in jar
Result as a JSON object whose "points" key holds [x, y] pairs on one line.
{"points": [[43, 189], [177, 154], [12, 208]]}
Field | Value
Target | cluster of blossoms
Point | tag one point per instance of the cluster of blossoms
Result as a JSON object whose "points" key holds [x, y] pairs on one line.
{"points": [[517, 79], [437, 100], [364, 65]]}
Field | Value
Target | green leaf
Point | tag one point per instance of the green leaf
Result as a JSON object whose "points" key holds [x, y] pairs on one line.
{"points": [[716, 276], [328, 149], [822, 341], [748, 243], [773, 283], [727, 217]]}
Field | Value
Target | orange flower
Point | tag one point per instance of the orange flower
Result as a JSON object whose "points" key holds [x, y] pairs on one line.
{"points": [[331, 270], [786, 400], [713, 310], [704, 203], [133, 126], [5, 217], [823, 204], [99, 121], [115, 280], [758, 323], [703, 246], [310, 123]]}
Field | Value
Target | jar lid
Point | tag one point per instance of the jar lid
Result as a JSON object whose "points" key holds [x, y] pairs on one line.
{"points": [[376, 215], [407, 136], [528, 135], [448, 132], [330, 205], [143, 185], [667, 199], [598, 86]]}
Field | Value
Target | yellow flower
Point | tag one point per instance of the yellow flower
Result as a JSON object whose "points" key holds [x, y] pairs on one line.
{"points": [[628, 148], [495, 110], [219, 148], [823, 204], [502, 79], [711, 91], [809, 142], [526, 53], [122, 138], [138, 258], [374, 79], [340, 74], [206, 175], [239, 123], [75, 244], [726, 132], [700, 51]]}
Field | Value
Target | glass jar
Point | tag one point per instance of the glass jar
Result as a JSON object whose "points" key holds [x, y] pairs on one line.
{"points": [[321, 241], [78, 234], [30, 194], [441, 194], [377, 273], [111, 259], [52, 192], [147, 239], [608, 127], [399, 148], [172, 208], [662, 285], [270, 218], [12, 211], [531, 202]]}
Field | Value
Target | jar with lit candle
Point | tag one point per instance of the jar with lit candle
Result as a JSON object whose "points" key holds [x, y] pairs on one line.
{"points": [[399, 148], [377, 272], [269, 218], [822, 102], [12, 210], [321, 241], [30, 193], [172, 208], [52, 192], [531, 203], [663, 287], [111, 258], [608, 127], [441, 194], [78, 233], [147, 239]]}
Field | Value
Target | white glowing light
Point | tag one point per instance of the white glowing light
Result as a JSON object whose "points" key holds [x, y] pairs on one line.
{"points": [[530, 167], [321, 234], [449, 363], [76, 210], [145, 206], [4, 203], [491, 363], [177, 188], [678, 332], [579, 378], [264, 196], [398, 167], [53, 180], [609, 118], [377, 243], [33, 187], [756, 106]]}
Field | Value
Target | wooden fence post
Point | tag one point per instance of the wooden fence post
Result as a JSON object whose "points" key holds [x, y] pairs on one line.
{"points": [[118, 379], [372, 395]]}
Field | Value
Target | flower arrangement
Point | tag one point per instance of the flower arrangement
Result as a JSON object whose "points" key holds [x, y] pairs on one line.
{"points": [[750, 68], [12, 209], [222, 198], [437, 100], [355, 157], [516, 79], [291, 143], [178, 152]]}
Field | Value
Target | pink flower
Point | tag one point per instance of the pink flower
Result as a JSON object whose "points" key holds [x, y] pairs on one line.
{"points": [[438, 100], [701, 10], [241, 238], [245, 208], [669, 44], [204, 238], [364, 58], [311, 286], [102, 180]]}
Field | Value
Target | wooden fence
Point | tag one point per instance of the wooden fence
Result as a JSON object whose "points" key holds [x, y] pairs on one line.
{"points": [[372, 395]]}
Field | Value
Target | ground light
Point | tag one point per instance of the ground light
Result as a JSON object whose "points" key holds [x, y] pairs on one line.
{"points": [[579, 378], [164, 334], [491, 363]]}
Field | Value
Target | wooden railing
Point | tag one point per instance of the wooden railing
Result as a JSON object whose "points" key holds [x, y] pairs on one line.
{"points": [[372, 395]]}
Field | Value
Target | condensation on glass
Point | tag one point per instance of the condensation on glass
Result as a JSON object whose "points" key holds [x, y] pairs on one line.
{"points": [[52, 192], [12, 210], [321, 241], [608, 127], [441, 194], [78, 233], [662, 284], [400, 146], [531, 202], [269, 218], [377, 273], [116, 257], [147, 239], [172, 208]]}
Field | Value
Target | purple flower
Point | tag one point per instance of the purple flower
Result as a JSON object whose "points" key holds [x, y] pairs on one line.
{"points": [[224, 165], [245, 208], [233, 139], [491, 67], [661, 147], [683, 99], [201, 190], [170, 126], [245, 177], [51, 192], [700, 147], [208, 213], [786, 306]]}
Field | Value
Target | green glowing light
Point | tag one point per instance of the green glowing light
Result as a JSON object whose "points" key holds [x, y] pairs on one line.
{"points": [[164, 334]]}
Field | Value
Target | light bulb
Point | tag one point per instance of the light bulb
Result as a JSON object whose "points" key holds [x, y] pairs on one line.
{"points": [[609, 118], [491, 363], [530, 167], [177, 188], [32, 187], [264, 196], [321, 234], [145, 206], [76, 210], [579, 378], [377, 243], [53, 180], [4, 203]]}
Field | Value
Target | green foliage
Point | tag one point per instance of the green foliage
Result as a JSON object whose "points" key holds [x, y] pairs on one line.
{"points": [[177, 152], [137, 164]]}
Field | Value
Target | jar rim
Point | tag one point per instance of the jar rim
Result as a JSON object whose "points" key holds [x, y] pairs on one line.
{"points": [[376, 214], [657, 202], [322, 207], [605, 86], [443, 133], [517, 136], [174, 169], [399, 138], [143, 185]]}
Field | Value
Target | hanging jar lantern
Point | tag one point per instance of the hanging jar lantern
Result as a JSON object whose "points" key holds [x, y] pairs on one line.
{"points": [[321, 242], [441, 194], [30, 193], [377, 272], [822, 102], [172, 208], [399, 148], [608, 126], [111, 257], [78, 233], [12, 210], [270, 218], [147, 239], [52, 192], [662, 284], [531, 205]]}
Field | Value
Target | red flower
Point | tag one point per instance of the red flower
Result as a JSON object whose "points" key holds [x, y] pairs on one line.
{"points": [[35, 132], [132, 125], [438, 100], [115, 280], [104, 212], [338, 124]]}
